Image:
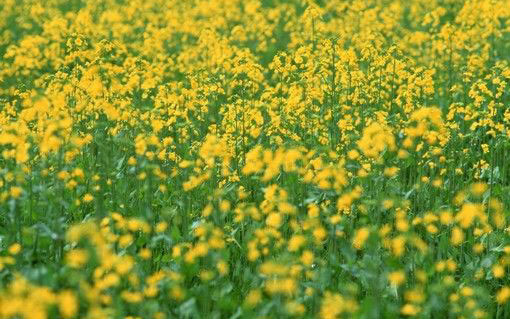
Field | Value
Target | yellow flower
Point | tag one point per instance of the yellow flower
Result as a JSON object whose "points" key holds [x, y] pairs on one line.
{"points": [[161, 227], [457, 236], [124, 265], [333, 305], [502, 295], [14, 249], [224, 206], [177, 293], [445, 217], [391, 171], [296, 242], [313, 210], [319, 233], [414, 295], [125, 240], [353, 154], [131, 297], [307, 257], [410, 310], [16, 191], [222, 267], [295, 308], [478, 248], [88, 198], [145, 253], [206, 275], [478, 189], [375, 139], [253, 298], [398, 245], [77, 258], [67, 304], [498, 271], [467, 214], [467, 291], [274, 220], [360, 237], [397, 278]]}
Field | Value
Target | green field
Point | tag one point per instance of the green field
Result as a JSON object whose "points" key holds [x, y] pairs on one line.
{"points": [[231, 159]]}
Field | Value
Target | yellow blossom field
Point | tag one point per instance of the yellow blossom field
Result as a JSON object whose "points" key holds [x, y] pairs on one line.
{"points": [[258, 159]]}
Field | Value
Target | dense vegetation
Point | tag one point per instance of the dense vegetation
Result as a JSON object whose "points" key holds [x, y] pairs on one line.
{"points": [[254, 159]]}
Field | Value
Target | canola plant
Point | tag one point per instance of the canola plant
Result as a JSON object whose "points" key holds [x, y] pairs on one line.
{"points": [[259, 159]]}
